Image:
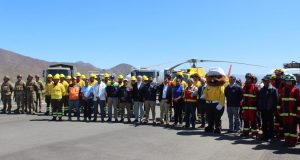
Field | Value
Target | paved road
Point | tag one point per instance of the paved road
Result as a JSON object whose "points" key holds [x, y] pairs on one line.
{"points": [[32, 137]]}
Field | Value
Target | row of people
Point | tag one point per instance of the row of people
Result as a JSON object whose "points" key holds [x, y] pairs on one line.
{"points": [[276, 100]]}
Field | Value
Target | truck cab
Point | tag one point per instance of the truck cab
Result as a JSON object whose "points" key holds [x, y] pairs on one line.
{"points": [[292, 68], [149, 73], [67, 70]]}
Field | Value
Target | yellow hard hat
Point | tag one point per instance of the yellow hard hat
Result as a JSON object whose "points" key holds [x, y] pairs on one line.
{"points": [[145, 78], [92, 75], [78, 74], [69, 78], [83, 76], [120, 77], [106, 75], [57, 76], [273, 76], [279, 71], [49, 76], [62, 76], [133, 78]]}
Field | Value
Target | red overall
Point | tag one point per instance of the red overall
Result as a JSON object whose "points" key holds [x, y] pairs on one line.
{"points": [[278, 125], [288, 112], [249, 106]]}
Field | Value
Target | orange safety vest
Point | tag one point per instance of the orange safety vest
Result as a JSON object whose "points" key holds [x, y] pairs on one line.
{"points": [[188, 94], [74, 93]]}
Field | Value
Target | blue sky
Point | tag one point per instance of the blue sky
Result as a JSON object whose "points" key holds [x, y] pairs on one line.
{"points": [[150, 32]]}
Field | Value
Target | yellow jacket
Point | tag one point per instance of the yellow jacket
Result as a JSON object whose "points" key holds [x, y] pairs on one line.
{"points": [[66, 85], [184, 84], [215, 94], [48, 88], [93, 83], [81, 83], [197, 84], [57, 91]]}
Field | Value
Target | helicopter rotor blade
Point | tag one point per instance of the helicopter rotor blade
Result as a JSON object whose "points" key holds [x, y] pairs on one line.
{"points": [[247, 64], [172, 68]]}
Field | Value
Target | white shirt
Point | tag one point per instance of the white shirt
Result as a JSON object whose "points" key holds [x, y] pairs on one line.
{"points": [[87, 90], [100, 91], [165, 90], [139, 85]]}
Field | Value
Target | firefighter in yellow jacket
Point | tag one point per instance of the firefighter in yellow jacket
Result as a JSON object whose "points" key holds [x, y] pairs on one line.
{"points": [[79, 81], [57, 91], [93, 80], [214, 95], [48, 87], [65, 98]]}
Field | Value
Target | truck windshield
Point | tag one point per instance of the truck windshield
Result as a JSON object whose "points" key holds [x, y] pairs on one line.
{"points": [[148, 74], [58, 71]]}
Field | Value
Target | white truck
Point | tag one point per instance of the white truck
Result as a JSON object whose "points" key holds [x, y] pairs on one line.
{"points": [[292, 68]]}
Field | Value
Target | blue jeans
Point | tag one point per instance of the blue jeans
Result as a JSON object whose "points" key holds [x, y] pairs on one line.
{"points": [[74, 104], [102, 111], [190, 113], [234, 118], [138, 110]]}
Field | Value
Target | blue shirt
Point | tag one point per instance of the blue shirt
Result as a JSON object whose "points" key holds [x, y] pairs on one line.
{"points": [[87, 91], [164, 95], [298, 86], [178, 91]]}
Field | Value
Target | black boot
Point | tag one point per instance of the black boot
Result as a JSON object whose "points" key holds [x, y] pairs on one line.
{"points": [[208, 129], [16, 111], [217, 131]]}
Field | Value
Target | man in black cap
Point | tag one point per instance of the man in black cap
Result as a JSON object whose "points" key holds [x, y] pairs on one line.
{"points": [[267, 102]]}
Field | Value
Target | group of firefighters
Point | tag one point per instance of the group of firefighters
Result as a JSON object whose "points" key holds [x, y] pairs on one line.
{"points": [[135, 97]]}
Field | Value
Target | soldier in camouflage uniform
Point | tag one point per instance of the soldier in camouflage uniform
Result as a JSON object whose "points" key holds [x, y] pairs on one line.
{"points": [[38, 102], [6, 92], [31, 90], [19, 94]]}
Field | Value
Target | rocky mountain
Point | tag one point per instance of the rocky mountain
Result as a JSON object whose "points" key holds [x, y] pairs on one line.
{"points": [[12, 63]]}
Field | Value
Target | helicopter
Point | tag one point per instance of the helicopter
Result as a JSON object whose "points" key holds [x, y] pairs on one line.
{"points": [[187, 73], [159, 75]]}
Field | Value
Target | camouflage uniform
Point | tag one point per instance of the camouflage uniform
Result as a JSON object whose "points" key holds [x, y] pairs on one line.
{"points": [[6, 92], [38, 102], [31, 89], [19, 94]]}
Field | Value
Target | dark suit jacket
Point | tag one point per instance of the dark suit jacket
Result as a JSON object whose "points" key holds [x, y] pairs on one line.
{"points": [[169, 93], [200, 92], [138, 93]]}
